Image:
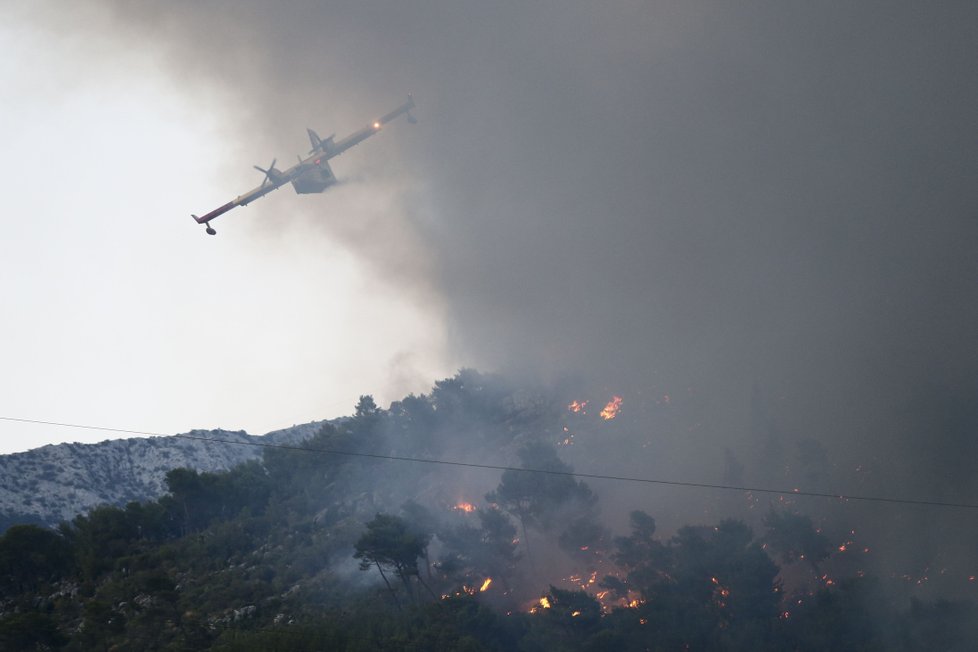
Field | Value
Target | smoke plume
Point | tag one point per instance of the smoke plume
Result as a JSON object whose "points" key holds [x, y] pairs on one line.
{"points": [[767, 204]]}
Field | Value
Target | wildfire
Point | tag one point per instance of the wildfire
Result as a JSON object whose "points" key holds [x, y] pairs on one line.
{"points": [[720, 594], [580, 580], [485, 585], [466, 590], [610, 410], [577, 407], [468, 508]]}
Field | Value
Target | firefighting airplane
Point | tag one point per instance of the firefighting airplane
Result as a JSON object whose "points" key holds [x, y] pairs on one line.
{"points": [[311, 174]]}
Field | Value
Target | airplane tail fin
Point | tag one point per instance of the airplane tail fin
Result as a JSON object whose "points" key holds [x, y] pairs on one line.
{"points": [[319, 144], [314, 140]]}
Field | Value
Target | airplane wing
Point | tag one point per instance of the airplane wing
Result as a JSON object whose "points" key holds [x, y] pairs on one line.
{"points": [[331, 149], [273, 181]]}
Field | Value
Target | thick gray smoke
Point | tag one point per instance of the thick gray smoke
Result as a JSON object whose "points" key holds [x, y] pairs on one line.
{"points": [[669, 198]]}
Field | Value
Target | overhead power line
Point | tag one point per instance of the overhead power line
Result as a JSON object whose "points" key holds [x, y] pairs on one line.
{"points": [[497, 467]]}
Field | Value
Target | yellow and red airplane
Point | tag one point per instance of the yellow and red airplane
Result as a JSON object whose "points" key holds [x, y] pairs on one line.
{"points": [[311, 174]]}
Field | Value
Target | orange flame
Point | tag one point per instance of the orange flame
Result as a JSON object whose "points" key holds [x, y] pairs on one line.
{"points": [[610, 410], [485, 585], [468, 508], [577, 407]]}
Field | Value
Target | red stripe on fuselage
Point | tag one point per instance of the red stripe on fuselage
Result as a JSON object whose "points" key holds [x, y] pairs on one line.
{"points": [[214, 213]]}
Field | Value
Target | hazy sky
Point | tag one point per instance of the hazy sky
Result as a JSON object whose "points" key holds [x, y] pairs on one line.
{"points": [[120, 311], [649, 195]]}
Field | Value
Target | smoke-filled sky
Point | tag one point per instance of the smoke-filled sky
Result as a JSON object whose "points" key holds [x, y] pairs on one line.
{"points": [[653, 197]]}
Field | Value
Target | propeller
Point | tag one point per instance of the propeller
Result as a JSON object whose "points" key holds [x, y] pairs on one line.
{"points": [[268, 173]]}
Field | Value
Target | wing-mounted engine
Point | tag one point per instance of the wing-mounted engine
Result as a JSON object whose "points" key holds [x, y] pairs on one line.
{"points": [[315, 178], [272, 174]]}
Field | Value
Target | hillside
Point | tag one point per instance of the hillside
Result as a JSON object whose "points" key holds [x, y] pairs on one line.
{"points": [[55, 483], [452, 521]]}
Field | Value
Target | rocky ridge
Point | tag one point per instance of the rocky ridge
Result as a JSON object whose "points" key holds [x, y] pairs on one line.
{"points": [[55, 483]]}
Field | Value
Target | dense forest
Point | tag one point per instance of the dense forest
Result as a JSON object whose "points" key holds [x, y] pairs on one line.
{"points": [[349, 542]]}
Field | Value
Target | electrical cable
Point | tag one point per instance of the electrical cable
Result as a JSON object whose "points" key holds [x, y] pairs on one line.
{"points": [[495, 467]]}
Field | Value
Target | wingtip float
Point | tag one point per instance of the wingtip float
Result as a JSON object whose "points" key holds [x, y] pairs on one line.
{"points": [[311, 174]]}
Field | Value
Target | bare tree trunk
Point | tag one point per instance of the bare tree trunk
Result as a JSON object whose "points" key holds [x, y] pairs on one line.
{"points": [[406, 581], [427, 587], [526, 540], [389, 587]]}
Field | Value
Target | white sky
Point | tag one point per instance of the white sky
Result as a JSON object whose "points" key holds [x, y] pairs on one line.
{"points": [[120, 312]]}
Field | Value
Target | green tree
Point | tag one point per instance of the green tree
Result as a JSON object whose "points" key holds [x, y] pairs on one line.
{"points": [[474, 554], [645, 560], [197, 499], [100, 537], [389, 543], [562, 621], [708, 587], [191, 493], [793, 538], [422, 522], [366, 406], [585, 539], [30, 631], [30, 554], [544, 494], [100, 624]]}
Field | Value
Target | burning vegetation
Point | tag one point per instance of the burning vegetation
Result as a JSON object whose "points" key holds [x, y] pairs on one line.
{"points": [[577, 407], [533, 559], [610, 410]]}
